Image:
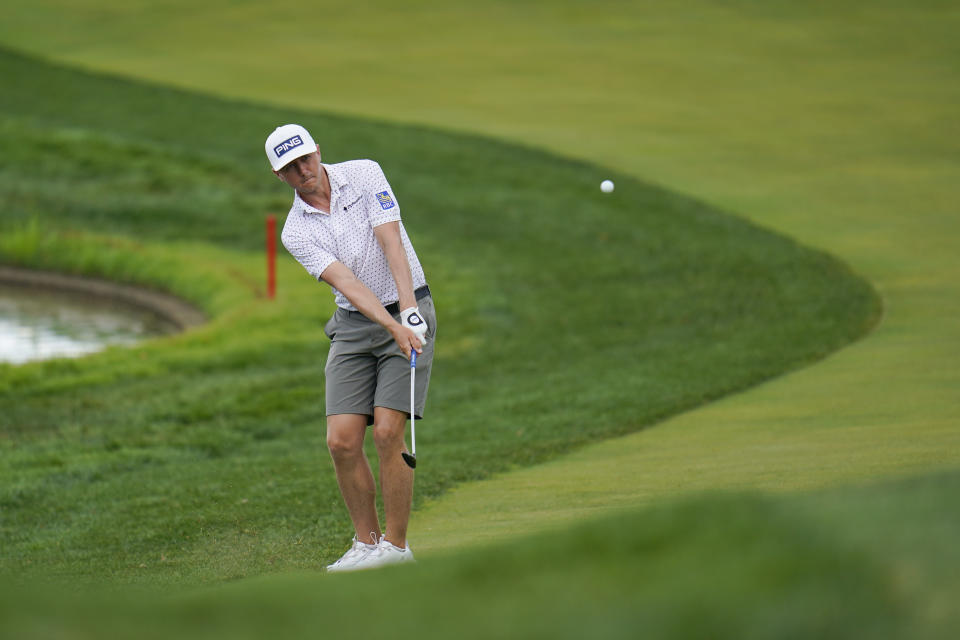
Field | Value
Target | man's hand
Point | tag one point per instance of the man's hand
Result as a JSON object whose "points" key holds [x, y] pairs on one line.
{"points": [[405, 338], [411, 319]]}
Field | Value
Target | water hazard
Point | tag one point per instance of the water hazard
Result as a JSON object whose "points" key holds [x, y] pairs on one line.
{"points": [[38, 324]]}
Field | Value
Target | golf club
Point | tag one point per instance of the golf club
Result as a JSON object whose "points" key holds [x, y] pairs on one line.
{"points": [[411, 458]]}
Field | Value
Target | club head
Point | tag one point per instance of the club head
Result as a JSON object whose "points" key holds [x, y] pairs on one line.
{"points": [[410, 459]]}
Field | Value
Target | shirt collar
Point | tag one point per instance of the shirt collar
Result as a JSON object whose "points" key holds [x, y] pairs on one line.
{"points": [[339, 180]]}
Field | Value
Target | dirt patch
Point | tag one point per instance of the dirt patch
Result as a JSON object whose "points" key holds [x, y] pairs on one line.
{"points": [[165, 305]]}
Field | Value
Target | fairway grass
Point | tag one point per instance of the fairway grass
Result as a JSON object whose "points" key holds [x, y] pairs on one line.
{"points": [[736, 443]]}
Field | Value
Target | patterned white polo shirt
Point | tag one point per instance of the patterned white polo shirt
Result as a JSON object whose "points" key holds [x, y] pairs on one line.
{"points": [[360, 199]]}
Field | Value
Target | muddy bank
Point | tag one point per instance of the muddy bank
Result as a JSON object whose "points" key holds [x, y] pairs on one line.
{"points": [[180, 313]]}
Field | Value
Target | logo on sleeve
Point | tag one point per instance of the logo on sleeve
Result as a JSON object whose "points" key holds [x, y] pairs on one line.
{"points": [[386, 202]]}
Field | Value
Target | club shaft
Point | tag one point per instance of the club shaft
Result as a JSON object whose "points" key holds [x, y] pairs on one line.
{"points": [[413, 385]]}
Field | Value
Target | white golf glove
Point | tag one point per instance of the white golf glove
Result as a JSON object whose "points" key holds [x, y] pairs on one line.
{"points": [[411, 319]]}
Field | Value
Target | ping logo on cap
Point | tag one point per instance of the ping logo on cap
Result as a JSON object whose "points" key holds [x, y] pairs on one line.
{"points": [[288, 144], [386, 202]]}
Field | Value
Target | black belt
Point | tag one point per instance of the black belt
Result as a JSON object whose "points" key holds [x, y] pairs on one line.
{"points": [[420, 294]]}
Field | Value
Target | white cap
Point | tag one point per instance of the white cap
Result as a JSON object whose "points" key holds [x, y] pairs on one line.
{"points": [[287, 143]]}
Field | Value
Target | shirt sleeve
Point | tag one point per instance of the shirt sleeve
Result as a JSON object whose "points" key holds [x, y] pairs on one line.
{"points": [[382, 206], [314, 253]]}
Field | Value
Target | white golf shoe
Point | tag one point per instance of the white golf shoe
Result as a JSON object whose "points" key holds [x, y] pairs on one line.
{"points": [[354, 555], [384, 554]]}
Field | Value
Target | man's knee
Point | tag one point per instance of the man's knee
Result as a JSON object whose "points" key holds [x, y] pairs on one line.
{"points": [[388, 434], [344, 443]]}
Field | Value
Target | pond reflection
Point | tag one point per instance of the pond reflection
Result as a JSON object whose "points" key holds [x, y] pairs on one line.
{"points": [[37, 324]]}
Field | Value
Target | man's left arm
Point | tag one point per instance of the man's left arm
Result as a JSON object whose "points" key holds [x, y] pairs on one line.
{"points": [[388, 235]]}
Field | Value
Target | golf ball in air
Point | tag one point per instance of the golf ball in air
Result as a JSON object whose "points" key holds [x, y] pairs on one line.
{"points": [[606, 186]]}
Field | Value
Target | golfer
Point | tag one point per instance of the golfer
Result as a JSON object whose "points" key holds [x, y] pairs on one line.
{"points": [[344, 228]]}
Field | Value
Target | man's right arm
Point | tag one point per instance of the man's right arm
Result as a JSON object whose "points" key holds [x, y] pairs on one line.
{"points": [[307, 250]]}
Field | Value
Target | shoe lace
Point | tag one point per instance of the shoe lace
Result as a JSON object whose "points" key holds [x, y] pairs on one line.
{"points": [[357, 549], [384, 542]]}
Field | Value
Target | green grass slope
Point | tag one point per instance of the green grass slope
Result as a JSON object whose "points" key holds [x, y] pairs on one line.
{"points": [[201, 457], [844, 563]]}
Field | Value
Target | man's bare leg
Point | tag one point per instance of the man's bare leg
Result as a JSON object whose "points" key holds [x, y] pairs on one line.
{"points": [[396, 478], [345, 433]]}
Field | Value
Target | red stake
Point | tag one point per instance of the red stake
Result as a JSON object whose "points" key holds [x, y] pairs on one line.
{"points": [[271, 256]]}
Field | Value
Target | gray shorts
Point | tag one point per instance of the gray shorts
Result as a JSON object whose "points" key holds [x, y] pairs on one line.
{"points": [[366, 368]]}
